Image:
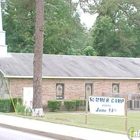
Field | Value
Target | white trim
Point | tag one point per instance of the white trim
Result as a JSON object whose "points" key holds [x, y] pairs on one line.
{"points": [[0, 18], [60, 77]]}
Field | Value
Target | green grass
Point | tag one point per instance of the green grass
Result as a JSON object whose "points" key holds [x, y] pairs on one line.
{"points": [[98, 122]]}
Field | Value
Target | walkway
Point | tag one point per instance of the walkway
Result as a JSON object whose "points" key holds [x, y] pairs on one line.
{"points": [[57, 131]]}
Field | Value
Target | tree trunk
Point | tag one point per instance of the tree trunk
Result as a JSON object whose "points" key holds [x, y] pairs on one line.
{"points": [[38, 52]]}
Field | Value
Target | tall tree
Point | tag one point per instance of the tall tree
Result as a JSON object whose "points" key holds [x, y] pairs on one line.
{"points": [[63, 33], [38, 51], [114, 33], [63, 30], [105, 40], [18, 20]]}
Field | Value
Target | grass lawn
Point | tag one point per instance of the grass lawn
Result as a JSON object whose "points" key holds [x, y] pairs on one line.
{"points": [[98, 122]]}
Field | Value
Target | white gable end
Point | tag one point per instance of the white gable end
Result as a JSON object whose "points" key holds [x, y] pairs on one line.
{"points": [[3, 46]]}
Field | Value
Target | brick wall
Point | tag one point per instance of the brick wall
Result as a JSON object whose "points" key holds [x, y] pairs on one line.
{"points": [[73, 89]]}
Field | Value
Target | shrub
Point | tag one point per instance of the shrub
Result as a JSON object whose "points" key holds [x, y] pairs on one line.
{"points": [[28, 111], [20, 109], [79, 103], [70, 104], [23, 110], [16, 101], [5, 105], [54, 104]]}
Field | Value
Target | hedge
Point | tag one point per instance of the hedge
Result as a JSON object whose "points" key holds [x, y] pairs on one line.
{"points": [[54, 104], [16, 101], [80, 102], [70, 104], [6, 105]]}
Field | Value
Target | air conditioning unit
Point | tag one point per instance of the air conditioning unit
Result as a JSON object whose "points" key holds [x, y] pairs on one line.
{"points": [[135, 104], [129, 104]]}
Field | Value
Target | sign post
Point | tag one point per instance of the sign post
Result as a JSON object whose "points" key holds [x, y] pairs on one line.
{"points": [[86, 114], [126, 119]]}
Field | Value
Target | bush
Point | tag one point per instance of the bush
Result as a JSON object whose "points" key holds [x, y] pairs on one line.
{"points": [[70, 104], [16, 101], [28, 111], [20, 109], [79, 103], [5, 105], [23, 110], [53, 105]]}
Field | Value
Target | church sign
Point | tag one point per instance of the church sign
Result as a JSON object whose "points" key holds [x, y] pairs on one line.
{"points": [[107, 105]]}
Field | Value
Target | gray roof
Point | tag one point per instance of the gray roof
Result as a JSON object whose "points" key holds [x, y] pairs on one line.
{"points": [[21, 65]]}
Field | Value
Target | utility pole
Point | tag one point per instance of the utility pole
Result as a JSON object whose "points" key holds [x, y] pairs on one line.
{"points": [[37, 63]]}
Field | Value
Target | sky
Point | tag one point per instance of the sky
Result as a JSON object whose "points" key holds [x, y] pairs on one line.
{"points": [[86, 18]]}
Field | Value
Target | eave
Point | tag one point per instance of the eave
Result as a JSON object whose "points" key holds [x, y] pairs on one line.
{"points": [[65, 77]]}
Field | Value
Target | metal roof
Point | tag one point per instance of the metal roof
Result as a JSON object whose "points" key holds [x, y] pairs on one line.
{"points": [[69, 66]]}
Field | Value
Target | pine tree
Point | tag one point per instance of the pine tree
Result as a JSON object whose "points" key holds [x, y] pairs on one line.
{"points": [[38, 52]]}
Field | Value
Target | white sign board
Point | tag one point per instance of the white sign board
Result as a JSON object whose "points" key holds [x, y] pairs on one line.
{"points": [[107, 105]]}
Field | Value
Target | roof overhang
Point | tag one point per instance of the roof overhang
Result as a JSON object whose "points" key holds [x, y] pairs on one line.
{"points": [[64, 77]]}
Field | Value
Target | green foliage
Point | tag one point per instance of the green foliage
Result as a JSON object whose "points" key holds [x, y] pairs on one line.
{"points": [[16, 101], [115, 30], [89, 51], [79, 103], [23, 110], [54, 104], [105, 40], [20, 109], [18, 21], [5, 105], [63, 32], [70, 104]]}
